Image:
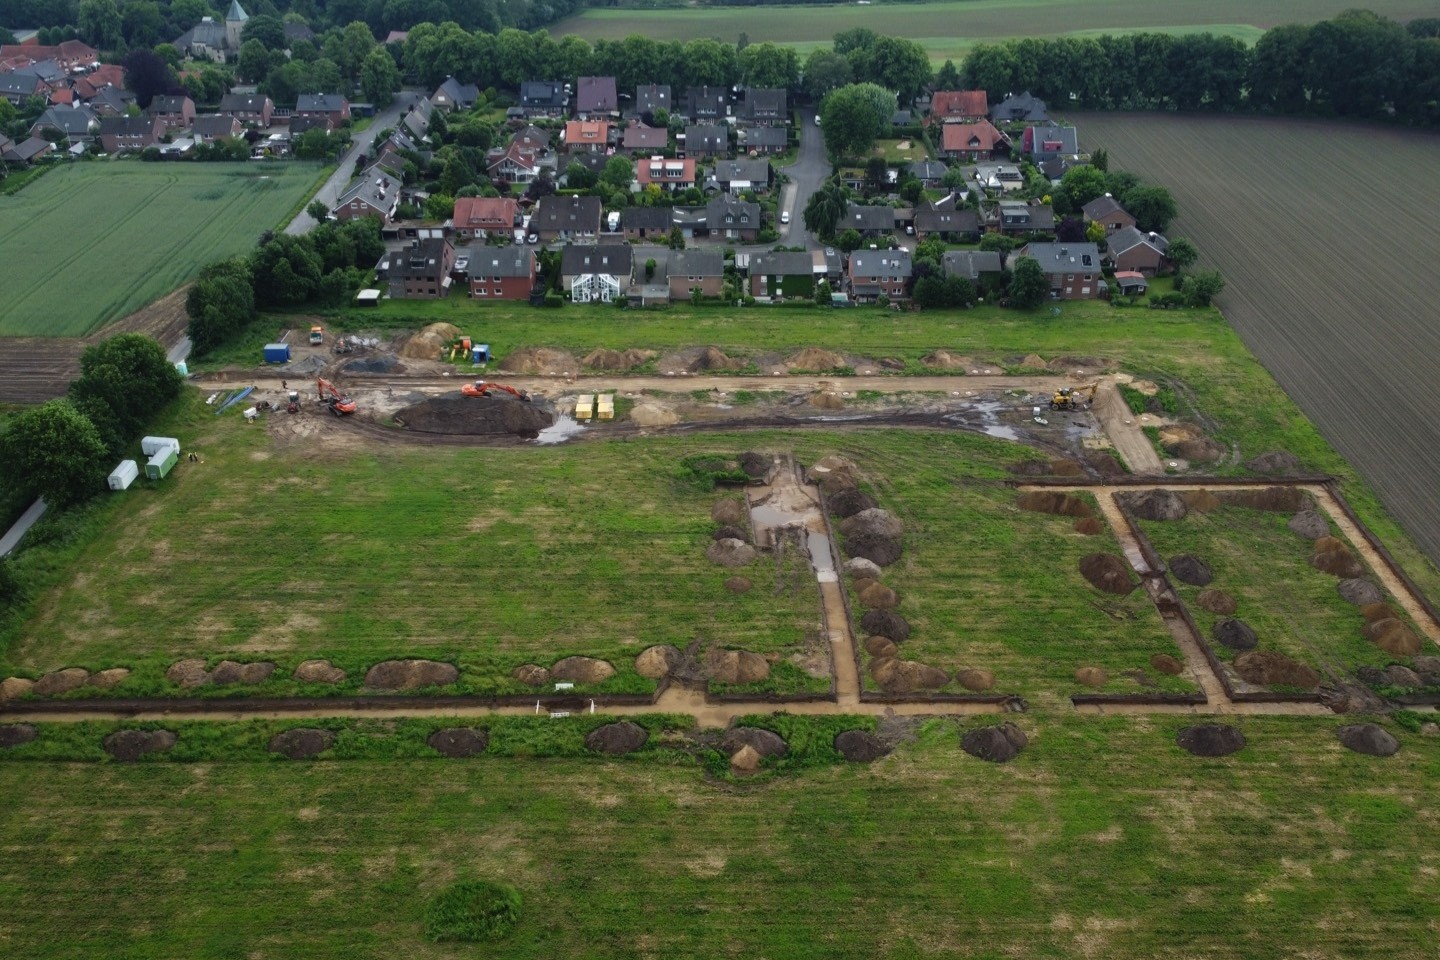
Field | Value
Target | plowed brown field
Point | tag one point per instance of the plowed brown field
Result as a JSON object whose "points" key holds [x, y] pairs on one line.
{"points": [[1327, 236]]}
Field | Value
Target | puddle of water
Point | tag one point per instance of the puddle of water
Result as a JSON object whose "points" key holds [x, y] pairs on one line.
{"points": [[564, 428], [820, 556], [1004, 433]]}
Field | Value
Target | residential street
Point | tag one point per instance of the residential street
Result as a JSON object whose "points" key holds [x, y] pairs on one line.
{"points": [[806, 174], [342, 176]]}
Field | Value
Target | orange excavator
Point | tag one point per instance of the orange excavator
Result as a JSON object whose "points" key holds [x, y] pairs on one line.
{"points": [[330, 395], [482, 388]]}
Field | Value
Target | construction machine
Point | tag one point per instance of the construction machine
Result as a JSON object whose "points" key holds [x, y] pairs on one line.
{"points": [[293, 406], [330, 395], [317, 334], [483, 388], [1074, 398]]}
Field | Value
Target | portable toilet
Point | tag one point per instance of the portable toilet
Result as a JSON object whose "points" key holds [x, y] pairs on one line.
{"points": [[123, 475], [153, 445], [277, 353], [480, 353], [584, 406], [159, 465], [605, 406], [182, 368]]}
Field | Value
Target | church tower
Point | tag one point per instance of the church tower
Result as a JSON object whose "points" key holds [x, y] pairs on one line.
{"points": [[235, 24]]}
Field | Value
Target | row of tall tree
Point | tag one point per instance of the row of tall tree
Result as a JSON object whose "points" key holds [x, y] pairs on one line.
{"points": [[1358, 64]]}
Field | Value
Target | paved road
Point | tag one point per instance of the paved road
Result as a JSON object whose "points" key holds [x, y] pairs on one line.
{"points": [[343, 174], [806, 174]]}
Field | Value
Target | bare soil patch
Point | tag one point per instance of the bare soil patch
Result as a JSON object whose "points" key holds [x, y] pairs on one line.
{"points": [[496, 415], [1210, 740], [1108, 572], [14, 734]]}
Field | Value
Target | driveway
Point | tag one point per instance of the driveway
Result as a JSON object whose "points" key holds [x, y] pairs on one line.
{"points": [[806, 175], [343, 174]]}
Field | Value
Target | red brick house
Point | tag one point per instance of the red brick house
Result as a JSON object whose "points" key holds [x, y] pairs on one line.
{"points": [[422, 270], [330, 105], [502, 273], [1130, 249], [129, 134], [973, 141], [174, 113], [375, 194], [1106, 210], [482, 216], [876, 272], [248, 108], [698, 268], [1073, 269], [958, 106], [666, 174], [587, 136]]}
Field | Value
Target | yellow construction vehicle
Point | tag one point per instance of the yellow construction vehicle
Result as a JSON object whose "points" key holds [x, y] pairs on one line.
{"points": [[317, 334], [1074, 398]]}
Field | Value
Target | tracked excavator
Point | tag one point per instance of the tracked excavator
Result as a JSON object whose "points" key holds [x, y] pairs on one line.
{"points": [[483, 388], [1074, 398], [330, 395]]}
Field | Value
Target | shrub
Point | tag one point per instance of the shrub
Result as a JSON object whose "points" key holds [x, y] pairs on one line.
{"points": [[472, 912]]}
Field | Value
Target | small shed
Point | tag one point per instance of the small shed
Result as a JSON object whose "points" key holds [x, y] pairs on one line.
{"points": [[158, 466], [368, 298], [122, 476], [1130, 282], [277, 353], [153, 445], [480, 353]]}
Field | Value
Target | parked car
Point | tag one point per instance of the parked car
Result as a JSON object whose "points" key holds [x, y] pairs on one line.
{"points": [[785, 217]]}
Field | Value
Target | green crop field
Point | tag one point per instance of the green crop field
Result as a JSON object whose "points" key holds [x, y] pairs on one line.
{"points": [[89, 243], [1102, 839], [950, 28]]}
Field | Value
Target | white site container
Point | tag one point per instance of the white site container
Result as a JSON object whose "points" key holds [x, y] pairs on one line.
{"points": [[153, 445], [124, 475]]}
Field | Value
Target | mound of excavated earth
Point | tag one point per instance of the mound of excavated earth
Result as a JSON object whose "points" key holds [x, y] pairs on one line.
{"points": [[60, 681], [886, 623], [498, 415], [906, 676], [1267, 668], [655, 663], [730, 553], [1274, 461], [975, 679], [1278, 499], [1368, 739], [410, 674], [582, 670], [539, 361], [1106, 571], [617, 738], [728, 510], [877, 596], [14, 734], [130, 745], [459, 741], [1309, 524], [713, 358], [1052, 501], [1360, 592], [319, 671], [531, 674], [617, 360], [1157, 505], [859, 746], [735, 666], [1210, 740], [302, 743], [229, 672], [1235, 634], [1216, 601], [766, 743], [1167, 664], [1089, 526], [849, 502], [1393, 636], [998, 744], [815, 360], [1191, 569], [878, 549], [756, 465]]}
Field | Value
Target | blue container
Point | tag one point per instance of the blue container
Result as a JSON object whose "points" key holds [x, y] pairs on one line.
{"points": [[480, 353], [277, 353]]}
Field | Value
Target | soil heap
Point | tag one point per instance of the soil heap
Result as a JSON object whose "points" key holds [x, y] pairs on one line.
{"points": [[1267, 668], [728, 532], [410, 674], [1165, 663], [653, 415], [229, 672], [878, 646], [381, 363], [1089, 527], [1274, 461], [1051, 501], [1210, 740], [127, 746], [877, 596], [1368, 739], [764, 742], [14, 734], [906, 676], [1335, 557], [815, 360], [875, 521], [738, 585], [617, 738], [1360, 592], [735, 666], [582, 670], [1191, 569], [1157, 505], [1216, 601], [655, 663], [1235, 634], [430, 343], [1309, 524], [730, 553], [459, 741], [886, 623], [319, 671], [539, 361], [756, 465], [859, 746], [713, 358], [615, 361], [1107, 572], [879, 550], [975, 679], [849, 502], [531, 674], [1092, 676], [1393, 636], [60, 681], [1278, 499], [302, 743], [945, 360], [496, 415], [998, 744], [727, 510]]}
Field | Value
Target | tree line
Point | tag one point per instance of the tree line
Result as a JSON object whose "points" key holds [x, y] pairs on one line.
{"points": [[1358, 65]]}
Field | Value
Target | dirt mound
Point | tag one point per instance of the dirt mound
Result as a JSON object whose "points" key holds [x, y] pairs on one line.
{"points": [[1427, 664], [1092, 676], [617, 738], [382, 363], [756, 465], [539, 361], [1359, 591], [1267, 668], [886, 623], [653, 415], [1201, 501], [975, 679], [859, 746], [459, 741], [14, 734], [60, 681], [765, 743], [1393, 636], [302, 743], [1378, 611], [228, 672], [1216, 601], [1157, 505], [738, 585], [877, 596], [1274, 461], [713, 358], [1327, 544], [477, 416], [945, 360], [1081, 365], [735, 666], [998, 744], [1339, 562], [849, 502], [430, 343], [1235, 634], [815, 360], [1277, 499], [1107, 572], [1089, 526], [1368, 739], [1104, 463], [1165, 663], [1032, 361], [1030, 468], [729, 532], [1398, 675], [1202, 450], [1066, 468], [410, 674], [13, 688], [128, 746], [582, 670], [617, 360], [728, 510], [827, 400], [1051, 501], [1309, 524], [906, 676], [1176, 433], [308, 367], [319, 671], [880, 550], [860, 567], [1191, 569], [188, 673], [745, 760], [730, 553], [878, 647], [1210, 740], [655, 663], [531, 674], [832, 465], [108, 679]]}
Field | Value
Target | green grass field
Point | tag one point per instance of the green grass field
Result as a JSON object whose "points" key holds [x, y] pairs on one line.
{"points": [[948, 29], [91, 242], [1103, 839]]}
